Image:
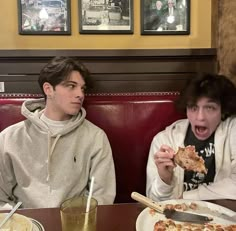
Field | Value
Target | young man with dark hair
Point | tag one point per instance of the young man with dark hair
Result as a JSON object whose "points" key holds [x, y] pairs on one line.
{"points": [[210, 104], [52, 155]]}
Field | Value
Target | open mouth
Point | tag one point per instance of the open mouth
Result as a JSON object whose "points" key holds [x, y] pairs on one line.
{"points": [[201, 130]]}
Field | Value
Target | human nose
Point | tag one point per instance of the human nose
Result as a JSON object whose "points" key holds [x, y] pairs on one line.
{"points": [[80, 93], [200, 114]]}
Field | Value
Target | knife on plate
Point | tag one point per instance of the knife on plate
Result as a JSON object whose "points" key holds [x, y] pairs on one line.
{"points": [[171, 213]]}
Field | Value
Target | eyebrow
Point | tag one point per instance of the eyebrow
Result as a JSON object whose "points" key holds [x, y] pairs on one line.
{"points": [[210, 101], [70, 81], [213, 101]]}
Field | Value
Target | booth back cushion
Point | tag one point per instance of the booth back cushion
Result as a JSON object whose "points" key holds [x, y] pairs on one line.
{"points": [[130, 121]]}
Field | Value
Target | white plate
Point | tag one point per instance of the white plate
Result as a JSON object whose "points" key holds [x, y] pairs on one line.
{"points": [[37, 226], [147, 220], [18, 221]]}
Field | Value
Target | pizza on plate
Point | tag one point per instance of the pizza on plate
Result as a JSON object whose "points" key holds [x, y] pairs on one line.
{"points": [[188, 159], [170, 225]]}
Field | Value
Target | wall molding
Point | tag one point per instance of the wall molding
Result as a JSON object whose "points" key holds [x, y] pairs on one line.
{"points": [[139, 70]]}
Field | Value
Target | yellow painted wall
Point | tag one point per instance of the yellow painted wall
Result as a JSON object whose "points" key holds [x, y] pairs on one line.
{"points": [[200, 36]]}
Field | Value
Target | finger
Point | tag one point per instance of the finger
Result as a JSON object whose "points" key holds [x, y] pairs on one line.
{"points": [[166, 148], [165, 162], [161, 154]]}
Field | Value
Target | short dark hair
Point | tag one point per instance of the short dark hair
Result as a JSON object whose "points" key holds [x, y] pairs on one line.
{"points": [[216, 87], [59, 69]]}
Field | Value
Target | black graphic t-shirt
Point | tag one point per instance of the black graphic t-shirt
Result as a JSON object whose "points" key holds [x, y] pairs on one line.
{"points": [[205, 149]]}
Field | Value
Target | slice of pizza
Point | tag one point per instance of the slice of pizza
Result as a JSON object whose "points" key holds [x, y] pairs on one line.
{"points": [[188, 159]]}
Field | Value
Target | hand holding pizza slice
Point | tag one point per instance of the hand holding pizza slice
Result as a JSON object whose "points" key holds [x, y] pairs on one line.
{"points": [[188, 159]]}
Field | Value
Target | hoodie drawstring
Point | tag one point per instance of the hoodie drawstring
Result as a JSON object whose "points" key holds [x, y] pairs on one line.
{"points": [[50, 152]]}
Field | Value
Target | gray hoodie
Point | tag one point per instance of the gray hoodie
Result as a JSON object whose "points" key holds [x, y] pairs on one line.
{"points": [[42, 169]]}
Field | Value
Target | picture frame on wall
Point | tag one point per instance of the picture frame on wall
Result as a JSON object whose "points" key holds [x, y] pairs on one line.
{"points": [[105, 16], [165, 17], [44, 17]]}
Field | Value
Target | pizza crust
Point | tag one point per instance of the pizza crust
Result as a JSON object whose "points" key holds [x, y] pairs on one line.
{"points": [[188, 159]]}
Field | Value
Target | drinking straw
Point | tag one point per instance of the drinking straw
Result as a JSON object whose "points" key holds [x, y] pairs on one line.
{"points": [[90, 194]]}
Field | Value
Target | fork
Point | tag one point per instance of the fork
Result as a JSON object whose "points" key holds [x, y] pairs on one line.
{"points": [[10, 213]]}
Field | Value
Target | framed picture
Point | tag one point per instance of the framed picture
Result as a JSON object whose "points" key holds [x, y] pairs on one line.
{"points": [[106, 16], [165, 17], [44, 17]]}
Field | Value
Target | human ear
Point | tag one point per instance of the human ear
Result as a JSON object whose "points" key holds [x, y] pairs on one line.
{"points": [[48, 90]]}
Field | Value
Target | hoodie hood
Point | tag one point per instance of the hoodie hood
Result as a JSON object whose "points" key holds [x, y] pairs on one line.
{"points": [[43, 169], [32, 109]]}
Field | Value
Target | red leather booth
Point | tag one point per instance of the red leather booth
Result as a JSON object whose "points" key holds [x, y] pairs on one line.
{"points": [[130, 121]]}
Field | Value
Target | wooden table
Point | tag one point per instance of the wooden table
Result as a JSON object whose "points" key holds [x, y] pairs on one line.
{"points": [[117, 217]]}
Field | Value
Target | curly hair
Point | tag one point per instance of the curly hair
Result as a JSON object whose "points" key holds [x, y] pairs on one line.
{"points": [[216, 87]]}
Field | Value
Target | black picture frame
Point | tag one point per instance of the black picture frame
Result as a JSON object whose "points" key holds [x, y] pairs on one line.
{"points": [[44, 17], [165, 17], [105, 16]]}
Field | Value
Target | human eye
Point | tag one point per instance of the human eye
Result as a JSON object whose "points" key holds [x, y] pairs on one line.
{"points": [[192, 107], [70, 85], [211, 108]]}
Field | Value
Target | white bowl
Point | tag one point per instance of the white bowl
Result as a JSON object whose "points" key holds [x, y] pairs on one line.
{"points": [[17, 222]]}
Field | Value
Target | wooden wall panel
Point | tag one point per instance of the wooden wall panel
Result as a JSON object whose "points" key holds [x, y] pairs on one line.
{"points": [[112, 70]]}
